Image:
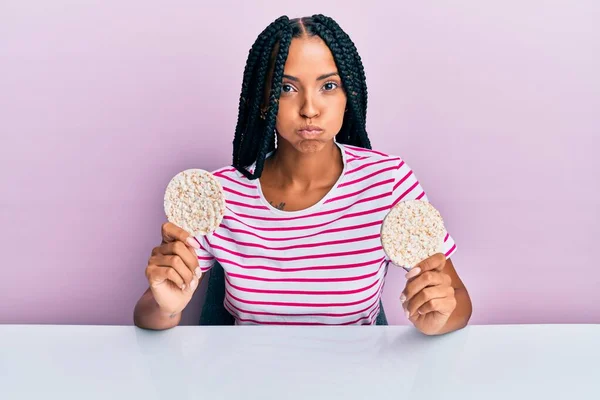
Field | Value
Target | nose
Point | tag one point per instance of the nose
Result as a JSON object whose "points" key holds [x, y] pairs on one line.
{"points": [[309, 109]]}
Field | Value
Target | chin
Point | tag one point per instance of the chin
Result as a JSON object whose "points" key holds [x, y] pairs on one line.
{"points": [[310, 146]]}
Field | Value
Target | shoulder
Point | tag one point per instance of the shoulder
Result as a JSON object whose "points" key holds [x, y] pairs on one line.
{"points": [[358, 158], [231, 178], [226, 170]]}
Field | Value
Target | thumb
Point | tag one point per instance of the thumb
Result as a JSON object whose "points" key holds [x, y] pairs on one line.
{"points": [[172, 233]]}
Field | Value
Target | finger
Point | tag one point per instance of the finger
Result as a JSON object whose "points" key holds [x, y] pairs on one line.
{"points": [[429, 278], [186, 254], [436, 262], [158, 275], [444, 306], [173, 262], [171, 233], [428, 294]]}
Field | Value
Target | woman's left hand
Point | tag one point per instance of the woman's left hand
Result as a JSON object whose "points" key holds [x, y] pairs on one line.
{"points": [[428, 298]]}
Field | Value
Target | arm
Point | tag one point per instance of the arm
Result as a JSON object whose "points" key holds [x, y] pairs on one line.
{"points": [[464, 308], [148, 315], [174, 273]]}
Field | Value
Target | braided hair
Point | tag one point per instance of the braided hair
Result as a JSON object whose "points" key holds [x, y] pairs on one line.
{"points": [[254, 132]]}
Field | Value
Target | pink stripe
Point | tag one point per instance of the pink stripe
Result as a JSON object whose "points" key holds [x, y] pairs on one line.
{"points": [[225, 169], [296, 228], [200, 244], [225, 188], [234, 181], [354, 159], [287, 322], [363, 150], [307, 245], [373, 313], [343, 229], [405, 193], [287, 304], [362, 178], [446, 238], [370, 164], [365, 200], [419, 197], [204, 269], [302, 292], [358, 214], [319, 280], [403, 180], [317, 268], [205, 258], [450, 251], [302, 315], [360, 191], [350, 153], [309, 257], [236, 203]]}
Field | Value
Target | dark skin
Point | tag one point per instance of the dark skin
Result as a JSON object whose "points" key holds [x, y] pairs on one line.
{"points": [[295, 177], [307, 165]]}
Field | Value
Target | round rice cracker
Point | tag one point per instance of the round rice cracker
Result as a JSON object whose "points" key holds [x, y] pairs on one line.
{"points": [[411, 232], [195, 202]]}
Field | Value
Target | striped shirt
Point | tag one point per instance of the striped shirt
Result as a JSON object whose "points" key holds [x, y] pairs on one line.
{"points": [[323, 265]]}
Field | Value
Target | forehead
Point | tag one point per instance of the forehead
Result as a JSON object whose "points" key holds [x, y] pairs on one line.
{"points": [[308, 57]]}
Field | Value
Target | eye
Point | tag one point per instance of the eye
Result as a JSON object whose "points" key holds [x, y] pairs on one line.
{"points": [[287, 88], [329, 86]]}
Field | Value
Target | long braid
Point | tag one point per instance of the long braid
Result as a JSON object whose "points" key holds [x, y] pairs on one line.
{"points": [[271, 117], [251, 96], [255, 125], [254, 134]]}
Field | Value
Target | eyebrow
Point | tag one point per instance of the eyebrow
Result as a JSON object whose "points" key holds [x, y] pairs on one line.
{"points": [[320, 78]]}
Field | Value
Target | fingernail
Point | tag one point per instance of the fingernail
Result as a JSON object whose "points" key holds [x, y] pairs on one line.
{"points": [[413, 272], [402, 298], [193, 284], [198, 272], [192, 242], [183, 287], [419, 311], [407, 314]]}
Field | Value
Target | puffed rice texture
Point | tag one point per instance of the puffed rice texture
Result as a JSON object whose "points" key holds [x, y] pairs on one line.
{"points": [[195, 201], [411, 232]]}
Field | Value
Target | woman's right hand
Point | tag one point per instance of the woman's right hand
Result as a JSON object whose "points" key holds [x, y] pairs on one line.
{"points": [[173, 272]]}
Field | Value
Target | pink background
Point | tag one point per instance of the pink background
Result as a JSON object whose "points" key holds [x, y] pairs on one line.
{"points": [[495, 105]]}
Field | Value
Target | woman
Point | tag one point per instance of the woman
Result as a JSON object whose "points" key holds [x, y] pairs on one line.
{"points": [[306, 196]]}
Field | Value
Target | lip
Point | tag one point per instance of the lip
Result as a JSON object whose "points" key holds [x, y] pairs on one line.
{"points": [[310, 130]]}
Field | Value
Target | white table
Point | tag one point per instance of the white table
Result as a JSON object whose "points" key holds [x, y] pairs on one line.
{"points": [[260, 362]]}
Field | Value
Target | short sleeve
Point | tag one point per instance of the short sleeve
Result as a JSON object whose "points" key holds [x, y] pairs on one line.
{"points": [[407, 187], [205, 255]]}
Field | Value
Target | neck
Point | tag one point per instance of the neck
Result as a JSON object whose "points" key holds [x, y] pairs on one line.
{"points": [[290, 167]]}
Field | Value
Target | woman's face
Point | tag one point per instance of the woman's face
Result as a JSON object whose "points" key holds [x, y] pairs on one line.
{"points": [[312, 100]]}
